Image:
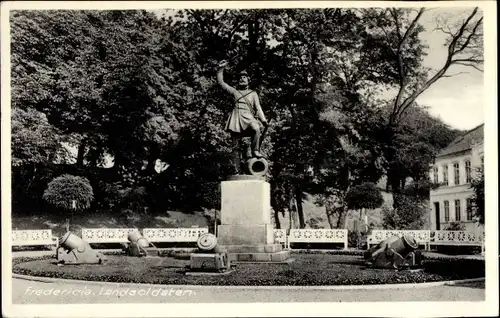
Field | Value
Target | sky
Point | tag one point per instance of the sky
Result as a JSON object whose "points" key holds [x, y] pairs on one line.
{"points": [[458, 100]]}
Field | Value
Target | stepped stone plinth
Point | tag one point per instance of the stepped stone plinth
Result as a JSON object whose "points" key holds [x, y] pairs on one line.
{"points": [[246, 231]]}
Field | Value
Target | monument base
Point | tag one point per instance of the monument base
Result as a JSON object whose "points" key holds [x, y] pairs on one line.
{"points": [[246, 232], [244, 177], [254, 248], [258, 253], [277, 257]]}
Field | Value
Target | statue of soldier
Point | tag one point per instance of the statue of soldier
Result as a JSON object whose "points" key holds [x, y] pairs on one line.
{"points": [[244, 118]]}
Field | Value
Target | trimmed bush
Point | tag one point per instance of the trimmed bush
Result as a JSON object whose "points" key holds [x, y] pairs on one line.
{"points": [[364, 196], [408, 216], [69, 192], [455, 226]]}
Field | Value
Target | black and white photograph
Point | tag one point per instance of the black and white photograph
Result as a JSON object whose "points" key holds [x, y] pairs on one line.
{"points": [[231, 159]]}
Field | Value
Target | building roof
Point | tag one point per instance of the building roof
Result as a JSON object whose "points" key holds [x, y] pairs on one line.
{"points": [[464, 142]]}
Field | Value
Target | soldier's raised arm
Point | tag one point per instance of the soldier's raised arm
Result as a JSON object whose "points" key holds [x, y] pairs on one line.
{"points": [[220, 78]]}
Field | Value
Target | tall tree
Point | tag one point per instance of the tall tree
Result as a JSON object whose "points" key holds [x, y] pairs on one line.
{"points": [[395, 31]]}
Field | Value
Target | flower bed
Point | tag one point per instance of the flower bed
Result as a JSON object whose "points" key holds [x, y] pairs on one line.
{"points": [[306, 270]]}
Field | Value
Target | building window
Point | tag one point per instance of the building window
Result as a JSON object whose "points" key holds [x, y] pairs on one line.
{"points": [[457, 210], [446, 211], [470, 214], [445, 174], [468, 172], [456, 171], [435, 174]]}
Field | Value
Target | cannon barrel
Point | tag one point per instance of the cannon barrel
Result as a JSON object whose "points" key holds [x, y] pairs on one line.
{"points": [[136, 237], [74, 250], [207, 242], [408, 245], [70, 241], [380, 255]]}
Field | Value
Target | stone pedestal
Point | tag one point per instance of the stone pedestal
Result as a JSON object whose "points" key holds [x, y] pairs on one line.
{"points": [[246, 231]]}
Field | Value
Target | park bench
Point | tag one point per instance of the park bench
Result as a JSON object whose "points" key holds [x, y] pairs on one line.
{"points": [[318, 236], [173, 235], [457, 238], [33, 238], [423, 237], [106, 235]]}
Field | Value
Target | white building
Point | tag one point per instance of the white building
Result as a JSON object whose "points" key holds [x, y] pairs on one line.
{"points": [[454, 168]]}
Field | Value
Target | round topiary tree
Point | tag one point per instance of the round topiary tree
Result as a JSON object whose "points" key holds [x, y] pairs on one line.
{"points": [[362, 197], [69, 192]]}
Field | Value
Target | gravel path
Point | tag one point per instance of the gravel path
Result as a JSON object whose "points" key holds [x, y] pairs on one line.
{"points": [[32, 292]]}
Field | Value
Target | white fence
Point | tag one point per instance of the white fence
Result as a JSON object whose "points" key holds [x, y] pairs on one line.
{"points": [[460, 238], [429, 238], [422, 237], [174, 235], [318, 236], [280, 236], [33, 238], [106, 235]]}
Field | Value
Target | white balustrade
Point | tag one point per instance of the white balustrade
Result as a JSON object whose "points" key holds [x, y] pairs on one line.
{"points": [[172, 235], [106, 235], [318, 236], [420, 236], [456, 238], [33, 237], [280, 236]]}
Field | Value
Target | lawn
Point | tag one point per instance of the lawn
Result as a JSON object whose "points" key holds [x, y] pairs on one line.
{"points": [[306, 270]]}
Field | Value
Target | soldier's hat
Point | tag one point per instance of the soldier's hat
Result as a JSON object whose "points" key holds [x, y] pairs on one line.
{"points": [[243, 73]]}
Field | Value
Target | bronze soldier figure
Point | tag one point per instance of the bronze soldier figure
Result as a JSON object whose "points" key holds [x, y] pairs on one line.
{"points": [[242, 121]]}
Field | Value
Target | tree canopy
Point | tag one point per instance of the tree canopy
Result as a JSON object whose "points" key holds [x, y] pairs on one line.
{"points": [[133, 87]]}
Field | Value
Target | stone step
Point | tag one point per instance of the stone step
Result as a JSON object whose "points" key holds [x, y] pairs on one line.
{"points": [[245, 234], [278, 257], [254, 248]]}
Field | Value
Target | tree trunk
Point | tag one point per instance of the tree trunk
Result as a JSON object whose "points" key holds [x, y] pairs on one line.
{"points": [[331, 221], [395, 181], [346, 219], [253, 37], [292, 208], [290, 220], [32, 178], [81, 153], [330, 213], [342, 217], [277, 218], [300, 210], [360, 219]]}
